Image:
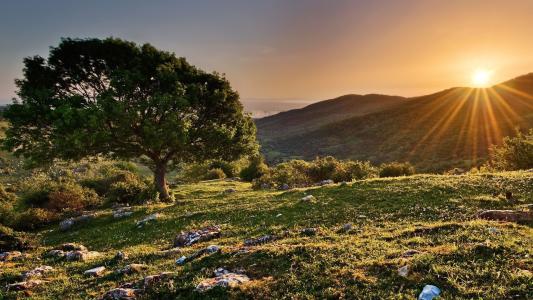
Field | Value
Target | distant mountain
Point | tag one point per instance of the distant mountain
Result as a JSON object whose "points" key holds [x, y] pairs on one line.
{"points": [[451, 128]]}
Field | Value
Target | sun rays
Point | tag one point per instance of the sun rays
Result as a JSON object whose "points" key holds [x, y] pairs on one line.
{"points": [[476, 118]]}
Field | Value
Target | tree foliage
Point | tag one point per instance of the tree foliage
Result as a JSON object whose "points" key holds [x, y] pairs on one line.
{"points": [[515, 153], [114, 98]]}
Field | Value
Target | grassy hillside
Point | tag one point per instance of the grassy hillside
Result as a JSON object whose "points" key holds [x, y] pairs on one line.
{"points": [[451, 128], [315, 115], [467, 258]]}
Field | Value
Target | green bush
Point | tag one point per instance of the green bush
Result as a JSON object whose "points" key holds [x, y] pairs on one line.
{"points": [[516, 153], [34, 218], [359, 170], [7, 213], [255, 169], [11, 240], [61, 196], [228, 168], [215, 173], [132, 190], [395, 169], [6, 196]]}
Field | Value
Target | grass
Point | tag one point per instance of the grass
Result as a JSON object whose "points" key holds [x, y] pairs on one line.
{"points": [[434, 214]]}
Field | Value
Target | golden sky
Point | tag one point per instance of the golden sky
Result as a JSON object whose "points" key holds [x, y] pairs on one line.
{"points": [[310, 50]]}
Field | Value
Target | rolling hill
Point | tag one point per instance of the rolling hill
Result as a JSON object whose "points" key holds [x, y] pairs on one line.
{"points": [[451, 128]]}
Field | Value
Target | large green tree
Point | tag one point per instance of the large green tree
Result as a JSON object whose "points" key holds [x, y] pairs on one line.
{"points": [[114, 98]]}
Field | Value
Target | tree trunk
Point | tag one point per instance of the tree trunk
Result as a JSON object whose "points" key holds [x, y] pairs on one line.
{"points": [[161, 182]]}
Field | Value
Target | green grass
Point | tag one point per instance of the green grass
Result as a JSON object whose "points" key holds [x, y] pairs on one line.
{"points": [[430, 213]]}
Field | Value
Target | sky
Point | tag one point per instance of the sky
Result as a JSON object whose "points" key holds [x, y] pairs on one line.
{"points": [[294, 51]]}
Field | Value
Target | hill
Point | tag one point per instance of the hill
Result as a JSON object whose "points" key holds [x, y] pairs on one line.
{"points": [[434, 215], [451, 128]]}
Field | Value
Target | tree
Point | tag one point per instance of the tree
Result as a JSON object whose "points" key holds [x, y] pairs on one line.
{"points": [[114, 98], [515, 153]]}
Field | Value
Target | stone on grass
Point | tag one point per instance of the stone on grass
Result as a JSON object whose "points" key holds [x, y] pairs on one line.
{"points": [[25, 285], [226, 280], [347, 227], [120, 294], [10, 255], [325, 182], [208, 250], [309, 231], [507, 215], [344, 183], [230, 191], [73, 247], [56, 253], [191, 237], [150, 281], [81, 255], [96, 272], [308, 198], [120, 256], [260, 240], [170, 252], [70, 222], [284, 187], [133, 268], [148, 219], [122, 212], [410, 252], [403, 271], [37, 272]]}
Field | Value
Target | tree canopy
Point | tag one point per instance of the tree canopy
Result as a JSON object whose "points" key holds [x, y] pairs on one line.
{"points": [[114, 98]]}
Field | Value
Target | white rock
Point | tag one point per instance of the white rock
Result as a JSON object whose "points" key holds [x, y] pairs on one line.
{"points": [[308, 198], [98, 271], [403, 271]]}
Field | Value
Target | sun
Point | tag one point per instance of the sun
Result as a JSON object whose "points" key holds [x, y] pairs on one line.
{"points": [[481, 78]]}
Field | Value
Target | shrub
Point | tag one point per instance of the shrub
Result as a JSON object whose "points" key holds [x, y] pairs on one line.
{"points": [[325, 168], [7, 213], [11, 240], [229, 169], [6, 196], [61, 196], [255, 169], [132, 190], [359, 170], [215, 173], [395, 169], [34, 218], [516, 153], [294, 173]]}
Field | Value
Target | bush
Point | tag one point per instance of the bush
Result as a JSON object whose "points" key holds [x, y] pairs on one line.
{"points": [[516, 153], [61, 196], [395, 169], [132, 190], [359, 170], [11, 240], [7, 214], [294, 173], [216, 173], [6, 196], [229, 169], [255, 169], [34, 218]]}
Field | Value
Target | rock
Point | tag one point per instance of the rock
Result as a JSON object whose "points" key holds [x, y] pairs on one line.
{"points": [[343, 184], [25, 285], [347, 227], [265, 186], [132, 269], [308, 198], [120, 294], [37, 272], [410, 252], [96, 272], [309, 231], [279, 215], [149, 281], [284, 187], [70, 222], [507, 215], [170, 252], [81, 255], [148, 219], [122, 212], [230, 191], [224, 280], [325, 182], [220, 272], [259, 240], [403, 271], [10, 255], [120, 256], [493, 230], [195, 236], [208, 250], [73, 247], [56, 253]]}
